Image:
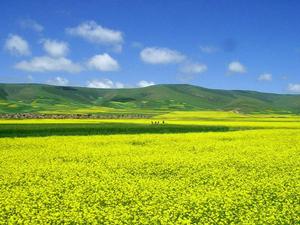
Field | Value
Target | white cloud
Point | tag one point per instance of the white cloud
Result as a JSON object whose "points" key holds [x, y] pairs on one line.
{"points": [[104, 83], [60, 81], [103, 62], [48, 64], [31, 24], [55, 48], [265, 77], [144, 83], [155, 55], [16, 45], [95, 33], [208, 49], [193, 68], [294, 88], [236, 67]]}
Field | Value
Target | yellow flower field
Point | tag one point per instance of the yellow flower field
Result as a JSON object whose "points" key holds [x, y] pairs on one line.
{"points": [[235, 177]]}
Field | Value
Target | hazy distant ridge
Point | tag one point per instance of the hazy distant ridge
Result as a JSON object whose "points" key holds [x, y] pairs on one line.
{"points": [[39, 97]]}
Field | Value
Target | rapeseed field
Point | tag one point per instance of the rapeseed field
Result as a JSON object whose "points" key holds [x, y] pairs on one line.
{"points": [[248, 176]]}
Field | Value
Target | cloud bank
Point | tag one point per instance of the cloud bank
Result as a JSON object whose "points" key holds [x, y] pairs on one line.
{"points": [[104, 83], [48, 64]]}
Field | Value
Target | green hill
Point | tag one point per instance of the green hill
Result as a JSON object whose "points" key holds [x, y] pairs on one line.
{"points": [[40, 98]]}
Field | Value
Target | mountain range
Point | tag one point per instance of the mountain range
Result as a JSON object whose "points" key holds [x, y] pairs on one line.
{"points": [[41, 98]]}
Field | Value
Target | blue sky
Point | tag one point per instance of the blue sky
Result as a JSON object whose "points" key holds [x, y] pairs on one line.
{"points": [[222, 44]]}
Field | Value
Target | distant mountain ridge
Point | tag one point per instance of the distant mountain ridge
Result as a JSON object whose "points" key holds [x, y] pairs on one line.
{"points": [[18, 98]]}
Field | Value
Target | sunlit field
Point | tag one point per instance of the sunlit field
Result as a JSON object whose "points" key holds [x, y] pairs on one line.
{"points": [[191, 168]]}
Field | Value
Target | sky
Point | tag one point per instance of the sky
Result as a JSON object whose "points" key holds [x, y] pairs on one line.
{"points": [[221, 44]]}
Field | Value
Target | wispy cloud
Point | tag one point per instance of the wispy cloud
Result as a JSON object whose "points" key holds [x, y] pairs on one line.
{"points": [[16, 45], [265, 77], [137, 45], [156, 55], [103, 62], [31, 24], [193, 68], [295, 88], [190, 70], [95, 33], [236, 67], [208, 49], [30, 78], [60, 81]]}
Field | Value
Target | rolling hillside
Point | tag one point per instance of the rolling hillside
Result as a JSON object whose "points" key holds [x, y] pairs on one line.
{"points": [[40, 98]]}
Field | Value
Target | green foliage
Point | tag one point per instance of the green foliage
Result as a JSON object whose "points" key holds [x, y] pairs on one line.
{"points": [[57, 129], [52, 99]]}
